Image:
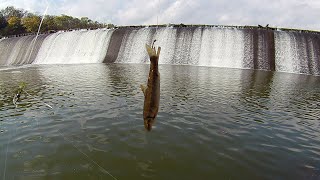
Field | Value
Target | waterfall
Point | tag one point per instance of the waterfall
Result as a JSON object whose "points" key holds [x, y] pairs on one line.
{"points": [[297, 52], [203, 46], [16, 51], [230, 47], [132, 49], [166, 39], [74, 47], [222, 48]]}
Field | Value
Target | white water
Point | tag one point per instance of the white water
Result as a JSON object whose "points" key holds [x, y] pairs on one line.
{"points": [[133, 49], [262, 52], [166, 39], [187, 47], [74, 47], [314, 57], [296, 53], [215, 47], [287, 59], [15, 49], [222, 48], [204, 46]]}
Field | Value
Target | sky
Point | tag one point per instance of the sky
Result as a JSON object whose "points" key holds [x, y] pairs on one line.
{"points": [[300, 14]]}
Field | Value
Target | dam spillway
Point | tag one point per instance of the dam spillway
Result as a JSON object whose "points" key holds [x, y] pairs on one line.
{"points": [[231, 47], [20, 50]]}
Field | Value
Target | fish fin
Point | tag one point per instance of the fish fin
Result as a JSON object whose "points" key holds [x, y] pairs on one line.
{"points": [[158, 53], [143, 88]]}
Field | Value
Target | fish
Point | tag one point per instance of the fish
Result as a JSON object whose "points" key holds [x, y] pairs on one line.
{"points": [[152, 90]]}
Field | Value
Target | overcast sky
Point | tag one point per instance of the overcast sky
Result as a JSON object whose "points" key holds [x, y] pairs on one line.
{"points": [[303, 14]]}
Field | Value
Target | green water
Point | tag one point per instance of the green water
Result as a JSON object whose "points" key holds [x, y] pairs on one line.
{"points": [[213, 123]]}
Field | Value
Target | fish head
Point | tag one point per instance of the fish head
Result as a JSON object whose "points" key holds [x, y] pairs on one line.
{"points": [[148, 122]]}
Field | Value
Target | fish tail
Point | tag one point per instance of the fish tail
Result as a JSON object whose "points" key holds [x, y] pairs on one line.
{"points": [[152, 51]]}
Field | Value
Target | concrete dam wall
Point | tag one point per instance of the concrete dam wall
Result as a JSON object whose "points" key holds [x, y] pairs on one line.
{"points": [[231, 47]]}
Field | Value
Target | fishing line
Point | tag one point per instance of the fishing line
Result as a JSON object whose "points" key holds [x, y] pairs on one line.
{"points": [[69, 141], [38, 100], [7, 150], [17, 96], [158, 14], [158, 5], [35, 39], [5, 161]]}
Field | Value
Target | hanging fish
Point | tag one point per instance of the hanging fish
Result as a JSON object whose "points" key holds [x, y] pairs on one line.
{"points": [[152, 90]]}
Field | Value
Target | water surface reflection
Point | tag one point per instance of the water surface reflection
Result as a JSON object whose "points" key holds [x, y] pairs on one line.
{"points": [[213, 123]]}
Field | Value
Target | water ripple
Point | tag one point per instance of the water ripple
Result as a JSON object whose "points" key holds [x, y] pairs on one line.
{"points": [[262, 125]]}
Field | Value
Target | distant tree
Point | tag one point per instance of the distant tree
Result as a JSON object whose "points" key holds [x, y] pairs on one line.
{"points": [[75, 23], [63, 22], [88, 23], [3, 25], [11, 11], [14, 26], [84, 22], [48, 24], [96, 24], [3, 22], [17, 21], [31, 22], [109, 25]]}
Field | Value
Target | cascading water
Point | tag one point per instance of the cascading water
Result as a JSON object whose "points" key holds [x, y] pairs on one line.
{"points": [[259, 49], [74, 47], [133, 47], [222, 47], [297, 52], [248, 48], [17, 50]]}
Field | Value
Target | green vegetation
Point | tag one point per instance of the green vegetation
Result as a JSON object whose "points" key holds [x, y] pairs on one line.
{"points": [[15, 21]]}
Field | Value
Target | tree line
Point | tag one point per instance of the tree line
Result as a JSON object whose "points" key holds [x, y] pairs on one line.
{"points": [[14, 21]]}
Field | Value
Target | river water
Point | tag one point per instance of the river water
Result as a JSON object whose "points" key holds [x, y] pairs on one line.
{"points": [[213, 123]]}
